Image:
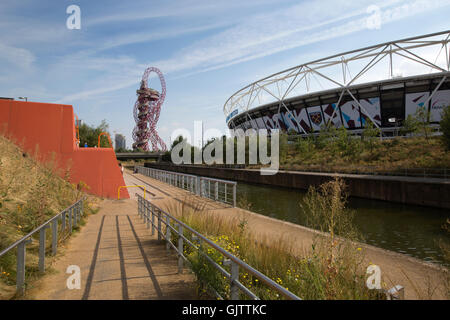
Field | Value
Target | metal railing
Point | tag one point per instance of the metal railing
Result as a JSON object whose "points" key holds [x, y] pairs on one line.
{"points": [[180, 180], [69, 219], [216, 189], [441, 173], [156, 217]]}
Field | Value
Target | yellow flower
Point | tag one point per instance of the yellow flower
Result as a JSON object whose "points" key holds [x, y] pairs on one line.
{"points": [[359, 249]]}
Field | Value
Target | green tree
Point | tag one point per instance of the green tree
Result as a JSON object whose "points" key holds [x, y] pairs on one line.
{"points": [[305, 146], [445, 127], [326, 138], [369, 136], [423, 118], [89, 134], [284, 147], [121, 150], [410, 125]]}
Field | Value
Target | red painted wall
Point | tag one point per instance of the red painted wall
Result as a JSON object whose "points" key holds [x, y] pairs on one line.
{"points": [[51, 129]]}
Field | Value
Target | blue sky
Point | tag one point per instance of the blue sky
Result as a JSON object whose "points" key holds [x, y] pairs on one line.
{"points": [[207, 50]]}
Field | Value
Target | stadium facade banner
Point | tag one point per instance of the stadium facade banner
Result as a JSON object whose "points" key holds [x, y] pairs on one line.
{"points": [[439, 101], [350, 114], [316, 117], [370, 110], [414, 101]]}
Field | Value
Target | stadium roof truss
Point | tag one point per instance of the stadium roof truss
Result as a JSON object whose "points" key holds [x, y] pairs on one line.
{"points": [[423, 54]]}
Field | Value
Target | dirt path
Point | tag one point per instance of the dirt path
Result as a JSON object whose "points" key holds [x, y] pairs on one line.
{"points": [[118, 259], [421, 280]]}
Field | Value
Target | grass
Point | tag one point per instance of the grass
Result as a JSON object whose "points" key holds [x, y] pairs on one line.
{"points": [[341, 153], [331, 269], [31, 192]]}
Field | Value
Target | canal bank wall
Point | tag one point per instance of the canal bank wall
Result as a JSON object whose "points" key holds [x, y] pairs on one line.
{"points": [[432, 192]]}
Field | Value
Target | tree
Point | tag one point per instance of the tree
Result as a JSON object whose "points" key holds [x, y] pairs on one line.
{"points": [[369, 135], [423, 117], [178, 140], [89, 134], [445, 127], [121, 150], [283, 147], [410, 125], [305, 146]]}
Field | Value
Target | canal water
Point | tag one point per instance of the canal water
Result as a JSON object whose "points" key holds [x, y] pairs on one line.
{"points": [[407, 229]]}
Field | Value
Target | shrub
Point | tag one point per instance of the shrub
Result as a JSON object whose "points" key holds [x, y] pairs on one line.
{"points": [[305, 146], [331, 270], [89, 134], [445, 127], [410, 125]]}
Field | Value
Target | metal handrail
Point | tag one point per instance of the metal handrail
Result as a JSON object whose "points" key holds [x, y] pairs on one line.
{"points": [[440, 173], [195, 184], [75, 211], [148, 211]]}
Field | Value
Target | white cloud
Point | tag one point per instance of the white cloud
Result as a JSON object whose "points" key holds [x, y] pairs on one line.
{"points": [[19, 57], [257, 36], [270, 34], [183, 8]]}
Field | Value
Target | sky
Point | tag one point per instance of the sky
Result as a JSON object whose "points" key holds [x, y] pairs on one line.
{"points": [[207, 50]]}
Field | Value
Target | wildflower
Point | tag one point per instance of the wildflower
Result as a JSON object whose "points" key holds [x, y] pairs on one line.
{"points": [[359, 249]]}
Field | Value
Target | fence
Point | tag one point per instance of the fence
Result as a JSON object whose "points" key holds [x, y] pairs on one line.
{"points": [[441, 173], [69, 219], [215, 189], [187, 236]]}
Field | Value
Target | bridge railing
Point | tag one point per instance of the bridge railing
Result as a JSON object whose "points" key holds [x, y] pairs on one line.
{"points": [[155, 217], [69, 218], [216, 189]]}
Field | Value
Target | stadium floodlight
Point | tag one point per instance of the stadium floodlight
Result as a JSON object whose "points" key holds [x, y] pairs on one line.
{"points": [[392, 120]]}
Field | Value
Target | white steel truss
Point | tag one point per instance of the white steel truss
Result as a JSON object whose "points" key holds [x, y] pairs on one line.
{"points": [[425, 54]]}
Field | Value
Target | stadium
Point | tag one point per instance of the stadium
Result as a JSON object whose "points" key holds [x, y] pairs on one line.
{"points": [[380, 84]]}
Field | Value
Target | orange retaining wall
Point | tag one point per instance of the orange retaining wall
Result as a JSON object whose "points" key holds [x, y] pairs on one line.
{"points": [[51, 128]]}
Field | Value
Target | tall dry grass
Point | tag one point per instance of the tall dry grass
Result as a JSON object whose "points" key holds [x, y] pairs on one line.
{"points": [[332, 269], [31, 192]]}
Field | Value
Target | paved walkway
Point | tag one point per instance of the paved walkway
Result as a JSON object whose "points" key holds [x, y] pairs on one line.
{"points": [[119, 259]]}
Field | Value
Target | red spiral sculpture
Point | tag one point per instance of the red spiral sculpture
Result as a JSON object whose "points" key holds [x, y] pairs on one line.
{"points": [[146, 113]]}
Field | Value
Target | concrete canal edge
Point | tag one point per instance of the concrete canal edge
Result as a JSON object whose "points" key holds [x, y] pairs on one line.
{"points": [[430, 192]]}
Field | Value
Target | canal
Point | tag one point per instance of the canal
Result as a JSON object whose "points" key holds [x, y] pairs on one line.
{"points": [[407, 229]]}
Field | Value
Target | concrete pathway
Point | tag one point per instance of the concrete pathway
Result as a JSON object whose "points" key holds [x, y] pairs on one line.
{"points": [[118, 259]]}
